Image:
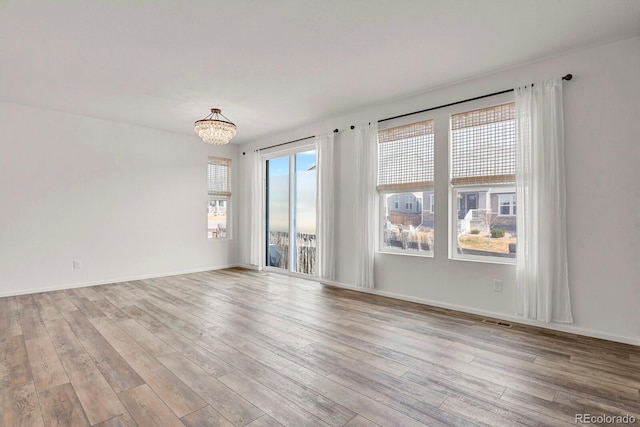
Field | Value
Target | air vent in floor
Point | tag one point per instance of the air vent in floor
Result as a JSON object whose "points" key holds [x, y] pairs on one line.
{"points": [[497, 323]]}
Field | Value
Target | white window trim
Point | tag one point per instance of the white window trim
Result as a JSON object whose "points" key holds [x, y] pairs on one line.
{"points": [[453, 202], [382, 194], [229, 211]]}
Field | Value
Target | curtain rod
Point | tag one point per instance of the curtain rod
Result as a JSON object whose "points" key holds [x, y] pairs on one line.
{"points": [[289, 142], [567, 78]]}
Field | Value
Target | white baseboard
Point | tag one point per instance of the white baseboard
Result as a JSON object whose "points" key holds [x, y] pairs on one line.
{"points": [[500, 316], [115, 280]]}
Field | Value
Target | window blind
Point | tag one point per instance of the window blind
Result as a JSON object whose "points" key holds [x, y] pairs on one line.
{"points": [[483, 146], [405, 157], [219, 173]]}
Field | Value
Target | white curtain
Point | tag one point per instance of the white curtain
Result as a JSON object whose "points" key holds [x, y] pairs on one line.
{"points": [[252, 208], [326, 207], [541, 254], [366, 211]]}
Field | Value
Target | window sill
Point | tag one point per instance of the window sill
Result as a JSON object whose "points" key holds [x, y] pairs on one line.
{"points": [[485, 259], [426, 254]]}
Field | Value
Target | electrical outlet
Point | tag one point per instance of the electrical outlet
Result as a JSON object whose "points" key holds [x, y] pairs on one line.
{"points": [[497, 285], [76, 264]]}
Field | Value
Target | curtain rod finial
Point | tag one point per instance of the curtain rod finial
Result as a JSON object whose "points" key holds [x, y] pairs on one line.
{"points": [[568, 77], [336, 130]]}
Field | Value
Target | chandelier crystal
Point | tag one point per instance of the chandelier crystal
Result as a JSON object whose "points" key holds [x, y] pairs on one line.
{"points": [[213, 130]]}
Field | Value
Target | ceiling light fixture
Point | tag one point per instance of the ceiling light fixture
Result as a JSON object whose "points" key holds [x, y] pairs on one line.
{"points": [[213, 130]]}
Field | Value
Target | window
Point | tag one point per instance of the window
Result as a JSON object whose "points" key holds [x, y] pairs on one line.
{"points": [[405, 173], [408, 205], [431, 203], [483, 213], [507, 204], [219, 192]]}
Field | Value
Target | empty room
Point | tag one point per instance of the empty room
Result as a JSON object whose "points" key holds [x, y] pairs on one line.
{"points": [[319, 213]]}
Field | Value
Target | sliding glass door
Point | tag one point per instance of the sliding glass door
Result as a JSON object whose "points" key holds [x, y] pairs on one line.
{"points": [[305, 212], [278, 225], [291, 212]]}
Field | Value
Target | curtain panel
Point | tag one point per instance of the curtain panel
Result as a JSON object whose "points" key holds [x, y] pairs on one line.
{"points": [[252, 205], [326, 206], [366, 211], [542, 280]]}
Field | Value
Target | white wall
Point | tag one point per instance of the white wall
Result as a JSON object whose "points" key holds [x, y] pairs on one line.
{"points": [[126, 201], [602, 128]]}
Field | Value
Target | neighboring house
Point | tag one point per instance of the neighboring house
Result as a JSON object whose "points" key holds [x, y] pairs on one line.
{"points": [[489, 209], [428, 209], [404, 208], [483, 209], [405, 203], [217, 207], [411, 208]]}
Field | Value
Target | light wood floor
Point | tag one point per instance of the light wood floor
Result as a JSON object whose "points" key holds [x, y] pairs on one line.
{"points": [[239, 347]]}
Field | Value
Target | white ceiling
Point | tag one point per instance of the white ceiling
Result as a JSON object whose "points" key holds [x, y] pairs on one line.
{"points": [[274, 65]]}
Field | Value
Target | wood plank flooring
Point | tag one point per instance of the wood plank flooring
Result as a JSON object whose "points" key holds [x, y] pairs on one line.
{"points": [[243, 348]]}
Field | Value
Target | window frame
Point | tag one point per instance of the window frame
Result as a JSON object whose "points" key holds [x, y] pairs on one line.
{"points": [[291, 151], [381, 248], [227, 230], [453, 191], [383, 193], [453, 229], [218, 198]]}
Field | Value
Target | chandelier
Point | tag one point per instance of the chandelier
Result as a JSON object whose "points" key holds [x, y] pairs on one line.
{"points": [[213, 130]]}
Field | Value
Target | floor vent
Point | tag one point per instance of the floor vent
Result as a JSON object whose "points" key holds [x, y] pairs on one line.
{"points": [[497, 323]]}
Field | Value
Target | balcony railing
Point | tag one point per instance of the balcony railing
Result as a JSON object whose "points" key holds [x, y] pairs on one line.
{"points": [[279, 246]]}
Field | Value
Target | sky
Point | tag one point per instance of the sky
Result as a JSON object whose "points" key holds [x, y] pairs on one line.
{"points": [[280, 165], [279, 193]]}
